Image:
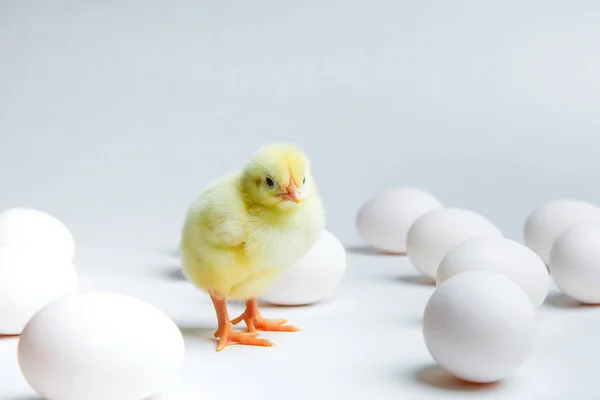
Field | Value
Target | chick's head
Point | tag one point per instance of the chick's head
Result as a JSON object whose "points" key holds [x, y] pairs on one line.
{"points": [[278, 177]]}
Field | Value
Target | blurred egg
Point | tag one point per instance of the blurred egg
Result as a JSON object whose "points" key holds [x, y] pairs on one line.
{"points": [[29, 280], [312, 278], [575, 262], [383, 221], [99, 346], [549, 220], [479, 326], [37, 229], [501, 255], [439, 231]]}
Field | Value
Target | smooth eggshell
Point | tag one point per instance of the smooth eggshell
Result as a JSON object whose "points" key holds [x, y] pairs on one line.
{"points": [[99, 346], [479, 326], [312, 278], [512, 259], [439, 231], [384, 220], [29, 280], [575, 262], [36, 229], [551, 219]]}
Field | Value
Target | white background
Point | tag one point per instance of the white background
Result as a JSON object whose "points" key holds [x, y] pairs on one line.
{"points": [[114, 115]]}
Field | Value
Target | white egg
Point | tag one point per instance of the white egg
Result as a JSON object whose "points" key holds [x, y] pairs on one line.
{"points": [[99, 346], [512, 259], [312, 278], [439, 231], [549, 220], [37, 229], [575, 262], [383, 221], [479, 326], [29, 280]]}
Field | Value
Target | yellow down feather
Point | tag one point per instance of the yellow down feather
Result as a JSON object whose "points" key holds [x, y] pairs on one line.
{"points": [[239, 235]]}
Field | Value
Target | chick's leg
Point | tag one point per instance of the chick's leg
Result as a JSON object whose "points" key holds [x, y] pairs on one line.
{"points": [[255, 322], [226, 335]]}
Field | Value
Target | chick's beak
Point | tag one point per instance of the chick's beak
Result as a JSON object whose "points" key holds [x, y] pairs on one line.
{"points": [[291, 193]]}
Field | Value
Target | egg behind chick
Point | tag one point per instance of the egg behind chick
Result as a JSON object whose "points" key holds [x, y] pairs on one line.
{"points": [[312, 278]]}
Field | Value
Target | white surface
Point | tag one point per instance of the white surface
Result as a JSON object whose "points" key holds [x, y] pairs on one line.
{"points": [[113, 115], [549, 220], [367, 339], [480, 326], [99, 346], [30, 278], [505, 256], [384, 220], [36, 228], [575, 262], [434, 234], [315, 277]]}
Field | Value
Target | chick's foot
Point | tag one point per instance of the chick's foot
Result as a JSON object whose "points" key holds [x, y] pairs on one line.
{"points": [[255, 322], [219, 332], [228, 337]]}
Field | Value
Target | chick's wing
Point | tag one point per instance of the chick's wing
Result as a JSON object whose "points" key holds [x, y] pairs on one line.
{"points": [[222, 217]]}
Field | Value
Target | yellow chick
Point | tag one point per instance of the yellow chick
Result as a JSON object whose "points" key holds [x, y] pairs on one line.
{"points": [[245, 229]]}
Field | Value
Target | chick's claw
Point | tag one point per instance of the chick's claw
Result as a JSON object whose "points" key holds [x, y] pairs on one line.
{"points": [[230, 337], [258, 323], [273, 325], [255, 322], [268, 325]]}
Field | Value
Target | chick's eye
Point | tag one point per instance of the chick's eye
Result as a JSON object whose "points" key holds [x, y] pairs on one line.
{"points": [[269, 182], [304, 181]]}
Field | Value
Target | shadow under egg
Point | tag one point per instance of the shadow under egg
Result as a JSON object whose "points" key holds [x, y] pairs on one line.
{"points": [[176, 274], [559, 300], [11, 336], [418, 280], [29, 397], [370, 251], [267, 305], [437, 377], [198, 332]]}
